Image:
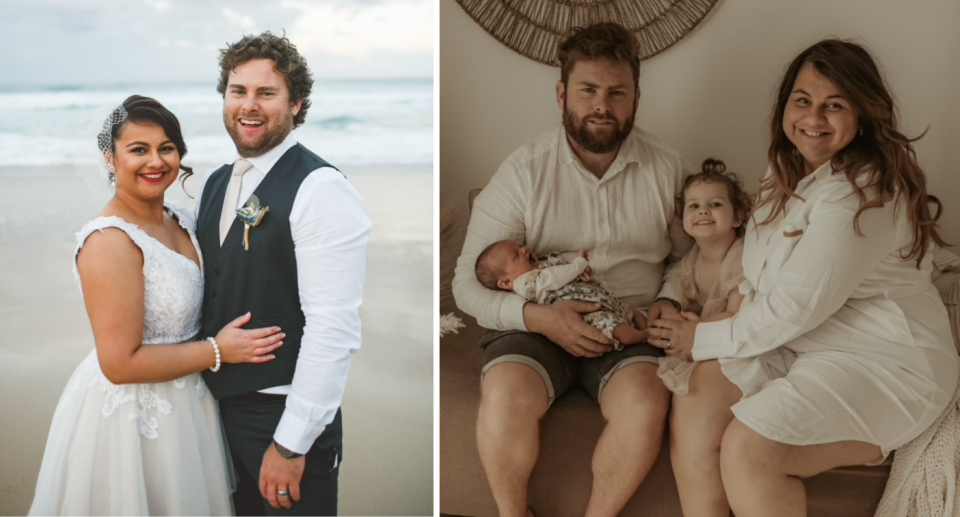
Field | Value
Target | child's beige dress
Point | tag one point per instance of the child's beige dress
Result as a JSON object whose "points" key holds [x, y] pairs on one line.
{"points": [[684, 277]]}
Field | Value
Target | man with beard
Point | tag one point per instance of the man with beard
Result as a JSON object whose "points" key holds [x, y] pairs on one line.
{"points": [[283, 236], [597, 183]]}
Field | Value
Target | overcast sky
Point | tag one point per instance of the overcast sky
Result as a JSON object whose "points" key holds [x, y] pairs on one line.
{"points": [[67, 42]]}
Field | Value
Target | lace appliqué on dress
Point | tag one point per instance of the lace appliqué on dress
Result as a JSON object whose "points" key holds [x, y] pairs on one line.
{"points": [[146, 399]]}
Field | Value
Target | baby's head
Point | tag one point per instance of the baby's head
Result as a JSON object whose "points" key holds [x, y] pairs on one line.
{"points": [[713, 203], [502, 262]]}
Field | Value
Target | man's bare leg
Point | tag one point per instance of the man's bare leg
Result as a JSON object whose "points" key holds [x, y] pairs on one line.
{"points": [[634, 404], [514, 399]]}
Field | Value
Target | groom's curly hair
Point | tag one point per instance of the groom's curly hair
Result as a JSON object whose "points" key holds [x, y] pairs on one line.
{"points": [[286, 60]]}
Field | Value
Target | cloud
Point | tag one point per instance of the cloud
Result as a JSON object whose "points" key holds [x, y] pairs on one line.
{"points": [[181, 43], [159, 5], [236, 18], [356, 29], [66, 42]]}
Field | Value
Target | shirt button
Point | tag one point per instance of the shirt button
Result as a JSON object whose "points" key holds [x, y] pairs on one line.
{"points": [[210, 317], [213, 294], [216, 272]]}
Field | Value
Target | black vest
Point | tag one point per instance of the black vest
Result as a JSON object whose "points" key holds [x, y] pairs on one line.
{"points": [[262, 280]]}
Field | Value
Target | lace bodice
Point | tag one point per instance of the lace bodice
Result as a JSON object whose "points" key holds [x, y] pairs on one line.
{"points": [[173, 285]]}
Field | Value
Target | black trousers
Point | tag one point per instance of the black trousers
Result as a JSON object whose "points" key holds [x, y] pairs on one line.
{"points": [[250, 421]]}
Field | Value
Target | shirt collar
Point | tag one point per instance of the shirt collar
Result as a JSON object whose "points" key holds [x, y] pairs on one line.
{"points": [[267, 160], [823, 172]]}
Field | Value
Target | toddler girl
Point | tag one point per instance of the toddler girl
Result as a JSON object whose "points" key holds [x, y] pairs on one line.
{"points": [[714, 208]]}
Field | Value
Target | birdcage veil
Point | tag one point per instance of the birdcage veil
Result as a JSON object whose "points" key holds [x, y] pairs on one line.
{"points": [[95, 164]]}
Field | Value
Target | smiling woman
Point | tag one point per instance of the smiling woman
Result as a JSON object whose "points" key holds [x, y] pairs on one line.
{"points": [[143, 137], [805, 378], [144, 154], [818, 119], [140, 272]]}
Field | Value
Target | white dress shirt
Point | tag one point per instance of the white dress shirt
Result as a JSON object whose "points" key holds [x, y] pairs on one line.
{"points": [[544, 197], [330, 228], [838, 336], [813, 284]]}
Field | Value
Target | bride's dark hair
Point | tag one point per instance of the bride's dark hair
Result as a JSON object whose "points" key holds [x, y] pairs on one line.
{"points": [[144, 110]]}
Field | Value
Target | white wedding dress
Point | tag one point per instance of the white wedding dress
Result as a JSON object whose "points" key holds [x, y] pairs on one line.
{"points": [[140, 449]]}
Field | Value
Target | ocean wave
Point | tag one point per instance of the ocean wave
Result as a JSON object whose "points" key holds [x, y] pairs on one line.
{"points": [[341, 122], [350, 122], [408, 147]]}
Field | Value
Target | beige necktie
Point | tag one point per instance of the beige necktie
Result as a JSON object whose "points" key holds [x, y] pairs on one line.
{"points": [[229, 212]]}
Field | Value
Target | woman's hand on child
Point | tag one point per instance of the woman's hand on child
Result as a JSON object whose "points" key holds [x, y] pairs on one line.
{"points": [[674, 336], [662, 309]]}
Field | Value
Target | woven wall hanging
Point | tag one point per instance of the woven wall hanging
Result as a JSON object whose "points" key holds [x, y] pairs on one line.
{"points": [[534, 28]]}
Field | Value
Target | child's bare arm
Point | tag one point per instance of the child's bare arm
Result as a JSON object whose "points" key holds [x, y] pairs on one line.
{"points": [[734, 299]]}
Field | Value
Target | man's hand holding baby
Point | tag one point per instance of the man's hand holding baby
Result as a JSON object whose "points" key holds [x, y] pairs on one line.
{"points": [[563, 324]]}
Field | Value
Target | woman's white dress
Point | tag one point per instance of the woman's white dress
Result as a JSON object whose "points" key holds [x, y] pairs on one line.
{"points": [[838, 337], [140, 449]]}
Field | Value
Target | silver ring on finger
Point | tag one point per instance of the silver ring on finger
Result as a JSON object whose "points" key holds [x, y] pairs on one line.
{"points": [[669, 344], [283, 493]]}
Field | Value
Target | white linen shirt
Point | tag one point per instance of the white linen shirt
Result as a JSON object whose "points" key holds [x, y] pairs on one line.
{"points": [[544, 197], [330, 228], [809, 276]]}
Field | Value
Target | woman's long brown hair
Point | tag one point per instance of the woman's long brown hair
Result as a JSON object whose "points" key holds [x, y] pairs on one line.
{"points": [[882, 153]]}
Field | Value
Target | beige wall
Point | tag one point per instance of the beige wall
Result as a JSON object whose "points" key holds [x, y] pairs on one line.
{"points": [[709, 95]]}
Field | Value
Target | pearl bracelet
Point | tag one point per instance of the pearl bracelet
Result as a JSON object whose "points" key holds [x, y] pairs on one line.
{"points": [[216, 350]]}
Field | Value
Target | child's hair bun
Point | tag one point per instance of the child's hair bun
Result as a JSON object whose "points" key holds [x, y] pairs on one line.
{"points": [[711, 166]]}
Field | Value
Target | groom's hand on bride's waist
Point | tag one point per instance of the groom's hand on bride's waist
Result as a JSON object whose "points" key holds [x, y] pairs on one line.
{"points": [[563, 324]]}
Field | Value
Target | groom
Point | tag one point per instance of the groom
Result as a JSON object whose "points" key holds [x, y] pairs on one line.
{"points": [[297, 262]]}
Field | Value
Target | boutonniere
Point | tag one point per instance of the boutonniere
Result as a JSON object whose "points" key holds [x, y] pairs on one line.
{"points": [[251, 214]]}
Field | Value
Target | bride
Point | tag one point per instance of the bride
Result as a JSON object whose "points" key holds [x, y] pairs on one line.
{"points": [[135, 431]]}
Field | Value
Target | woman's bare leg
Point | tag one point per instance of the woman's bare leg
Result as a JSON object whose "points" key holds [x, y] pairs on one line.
{"points": [[763, 477]]}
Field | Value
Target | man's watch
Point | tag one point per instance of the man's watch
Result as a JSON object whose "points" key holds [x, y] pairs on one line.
{"points": [[672, 302], [285, 452]]}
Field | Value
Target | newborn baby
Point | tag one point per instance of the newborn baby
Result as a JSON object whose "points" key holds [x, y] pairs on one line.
{"points": [[508, 266]]}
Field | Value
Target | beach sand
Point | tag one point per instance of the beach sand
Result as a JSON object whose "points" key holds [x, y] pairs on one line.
{"points": [[388, 406]]}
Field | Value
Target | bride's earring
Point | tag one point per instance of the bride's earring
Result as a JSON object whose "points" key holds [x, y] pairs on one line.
{"points": [[111, 172]]}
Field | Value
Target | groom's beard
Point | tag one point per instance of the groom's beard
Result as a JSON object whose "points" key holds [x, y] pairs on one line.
{"points": [[272, 136], [599, 142]]}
